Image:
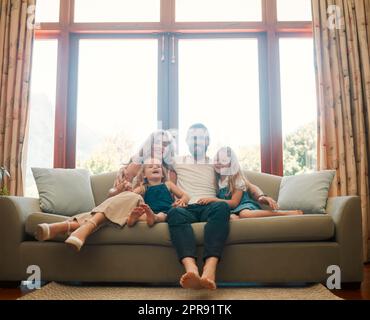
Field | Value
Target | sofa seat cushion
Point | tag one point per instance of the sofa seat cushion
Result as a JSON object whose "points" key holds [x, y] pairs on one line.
{"points": [[262, 230]]}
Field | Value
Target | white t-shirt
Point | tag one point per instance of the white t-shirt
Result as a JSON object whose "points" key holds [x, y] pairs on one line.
{"points": [[239, 184], [198, 180]]}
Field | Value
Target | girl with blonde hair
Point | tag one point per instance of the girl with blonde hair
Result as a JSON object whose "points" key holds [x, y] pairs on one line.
{"points": [[243, 198]]}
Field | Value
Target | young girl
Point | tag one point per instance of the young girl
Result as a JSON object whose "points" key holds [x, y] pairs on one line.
{"points": [[158, 194], [244, 198]]}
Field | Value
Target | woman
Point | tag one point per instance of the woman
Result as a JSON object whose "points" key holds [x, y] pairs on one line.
{"points": [[121, 201]]}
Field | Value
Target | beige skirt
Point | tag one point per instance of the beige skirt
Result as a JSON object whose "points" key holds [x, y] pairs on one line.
{"points": [[116, 209]]}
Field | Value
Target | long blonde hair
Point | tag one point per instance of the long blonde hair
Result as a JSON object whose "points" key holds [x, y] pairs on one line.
{"points": [[142, 182], [235, 170]]}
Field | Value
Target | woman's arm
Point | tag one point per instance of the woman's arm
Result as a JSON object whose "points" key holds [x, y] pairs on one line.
{"points": [[124, 178], [132, 171], [233, 202], [173, 176]]}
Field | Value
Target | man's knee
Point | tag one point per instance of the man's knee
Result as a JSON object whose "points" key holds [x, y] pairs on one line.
{"points": [[221, 206], [176, 216]]}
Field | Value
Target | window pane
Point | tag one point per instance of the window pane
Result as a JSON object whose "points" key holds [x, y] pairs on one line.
{"points": [[117, 100], [47, 11], [299, 105], [297, 10], [218, 10], [117, 11], [42, 110], [219, 86]]}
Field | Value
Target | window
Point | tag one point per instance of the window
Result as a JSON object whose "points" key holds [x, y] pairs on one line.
{"points": [[299, 106], [138, 65], [219, 87], [117, 100], [218, 10], [47, 11], [42, 110], [297, 10], [117, 10]]}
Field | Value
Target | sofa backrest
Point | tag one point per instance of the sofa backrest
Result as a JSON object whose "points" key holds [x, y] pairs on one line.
{"points": [[101, 184], [268, 183]]}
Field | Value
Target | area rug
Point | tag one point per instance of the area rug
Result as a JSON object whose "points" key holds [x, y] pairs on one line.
{"points": [[56, 291]]}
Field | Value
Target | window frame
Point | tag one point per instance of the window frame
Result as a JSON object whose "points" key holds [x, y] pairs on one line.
{"points": [[268, 31]]}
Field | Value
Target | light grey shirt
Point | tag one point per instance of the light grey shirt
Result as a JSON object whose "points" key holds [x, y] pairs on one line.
{"points": [[198, 180]]}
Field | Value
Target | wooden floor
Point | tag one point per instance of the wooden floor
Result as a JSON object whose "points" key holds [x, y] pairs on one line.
{"points": [[348, 294]]}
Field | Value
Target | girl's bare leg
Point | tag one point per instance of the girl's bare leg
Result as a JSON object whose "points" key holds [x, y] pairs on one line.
{"points": [[190, 279], [234, 217], [50, 231], [208, 279], [266, 213], [86, 229], [160, 217]]}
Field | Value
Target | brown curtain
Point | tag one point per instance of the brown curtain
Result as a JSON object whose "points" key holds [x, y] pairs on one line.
{"points": [[342, 45], [16, 37]]}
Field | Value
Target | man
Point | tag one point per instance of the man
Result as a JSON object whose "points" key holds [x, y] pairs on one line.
{"points": [[196, 176]]}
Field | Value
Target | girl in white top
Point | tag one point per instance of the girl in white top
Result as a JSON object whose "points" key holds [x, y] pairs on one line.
{"points": [[234, 190]]}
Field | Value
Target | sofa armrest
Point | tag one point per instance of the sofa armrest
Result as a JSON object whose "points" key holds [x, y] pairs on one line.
{"points": [[13, 214], [347, 217]]}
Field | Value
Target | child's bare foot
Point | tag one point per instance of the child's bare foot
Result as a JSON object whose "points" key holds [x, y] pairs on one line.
{"points": [[134, 216], [150, 215], [191, 280], [234, 217]]}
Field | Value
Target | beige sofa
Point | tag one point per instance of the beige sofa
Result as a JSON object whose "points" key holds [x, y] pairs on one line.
{"points": [[266, 250]]}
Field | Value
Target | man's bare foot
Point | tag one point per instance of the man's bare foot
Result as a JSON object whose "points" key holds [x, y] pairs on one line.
{"points": [[208, 283], [208, 279], [190, 280], [234, 217], [134, 216], [150, 215]]}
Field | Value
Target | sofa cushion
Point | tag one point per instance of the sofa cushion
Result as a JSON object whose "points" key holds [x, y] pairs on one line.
{"points": [[307, 192], [261, 230], [64, 191]]}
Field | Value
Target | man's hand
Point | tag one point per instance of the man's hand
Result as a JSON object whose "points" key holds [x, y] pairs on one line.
{"points": [[180, 203], [269, 202], [205, 201]]}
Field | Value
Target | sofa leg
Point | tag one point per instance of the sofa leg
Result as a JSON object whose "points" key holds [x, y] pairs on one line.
{"points": [[10, 284], [351, 285]]}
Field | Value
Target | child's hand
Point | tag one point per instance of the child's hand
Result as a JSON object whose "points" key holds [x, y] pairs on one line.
{"points": [[205, 201], [269, 202], [180, 203]]}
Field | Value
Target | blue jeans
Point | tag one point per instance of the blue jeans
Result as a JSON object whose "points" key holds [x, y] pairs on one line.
{"points": [[216, 230]]}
